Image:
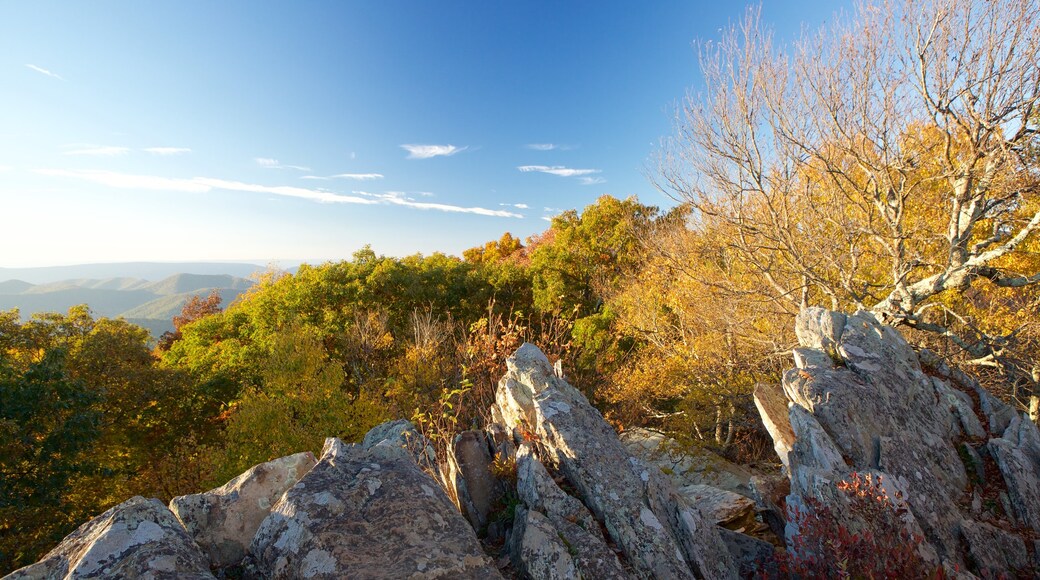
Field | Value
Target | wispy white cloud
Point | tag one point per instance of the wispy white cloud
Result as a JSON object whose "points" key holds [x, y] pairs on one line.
{"points": [[550, 213], [402, 199], [549, 147], [44, 71], [354, 176], [165, 151], [96, 150], [269, 163], [516, 205], [286, 190], [557, 170], [5, 168], [207, 184], [428, 151], [592, 180]]}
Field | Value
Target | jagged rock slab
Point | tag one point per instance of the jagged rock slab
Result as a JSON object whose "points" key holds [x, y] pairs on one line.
{"points": [[755, 558], [873, 408], [569, 518], [772, 408], [658, 532], [139, 538], [402, 434], [469, 477], [686, 466], [539, 552], [367, 511], [995, 553], [860, 401], [1020, 474], [224, 520], [725, 508]]}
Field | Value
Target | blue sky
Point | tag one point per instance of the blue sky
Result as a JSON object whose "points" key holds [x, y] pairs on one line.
{"points": [[289, 131]]}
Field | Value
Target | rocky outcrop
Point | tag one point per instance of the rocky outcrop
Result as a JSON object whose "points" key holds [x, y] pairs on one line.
{"points": [[860, 401], [224, 520], [368, 511], [658, 532], [139, 538]]}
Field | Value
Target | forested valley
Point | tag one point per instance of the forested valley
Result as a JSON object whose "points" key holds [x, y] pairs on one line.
{"points": [[799, 182]]}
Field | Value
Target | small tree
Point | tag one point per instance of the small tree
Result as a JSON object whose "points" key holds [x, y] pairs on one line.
{"points": [[194, 309]]}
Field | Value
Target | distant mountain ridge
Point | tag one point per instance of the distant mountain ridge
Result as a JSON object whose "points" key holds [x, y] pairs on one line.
{"points": [[151, 271], [151, 304]]}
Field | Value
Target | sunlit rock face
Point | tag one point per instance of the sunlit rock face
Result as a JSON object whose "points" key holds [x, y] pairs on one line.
{"points": [[367, 511], [659, 533], [224, 520], [139, 538], [861, 401]]}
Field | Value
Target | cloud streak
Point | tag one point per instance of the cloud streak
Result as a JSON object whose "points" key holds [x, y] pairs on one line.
{"points": [[44, 71], [557, 170], [401, 198], [268, 163], [428, 151], [207, 184], [353, 176], [167, 151], [549, 147], [592, 180]]}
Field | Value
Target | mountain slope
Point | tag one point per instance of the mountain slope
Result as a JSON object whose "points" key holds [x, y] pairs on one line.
{"points": [[143, 302], [166, 307]]}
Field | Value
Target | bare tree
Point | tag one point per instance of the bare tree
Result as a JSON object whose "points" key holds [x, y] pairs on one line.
{"points": [[879, 163]]}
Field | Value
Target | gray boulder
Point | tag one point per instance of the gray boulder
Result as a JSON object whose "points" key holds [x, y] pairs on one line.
{"points": [[686, 466], [860, 401], [659, 533], [224, 520], [876, 411], [367, 511], [139, 538], [469, 480]]}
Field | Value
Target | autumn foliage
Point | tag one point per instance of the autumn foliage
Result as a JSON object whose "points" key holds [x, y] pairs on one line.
{"points": [[823, 546]]}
